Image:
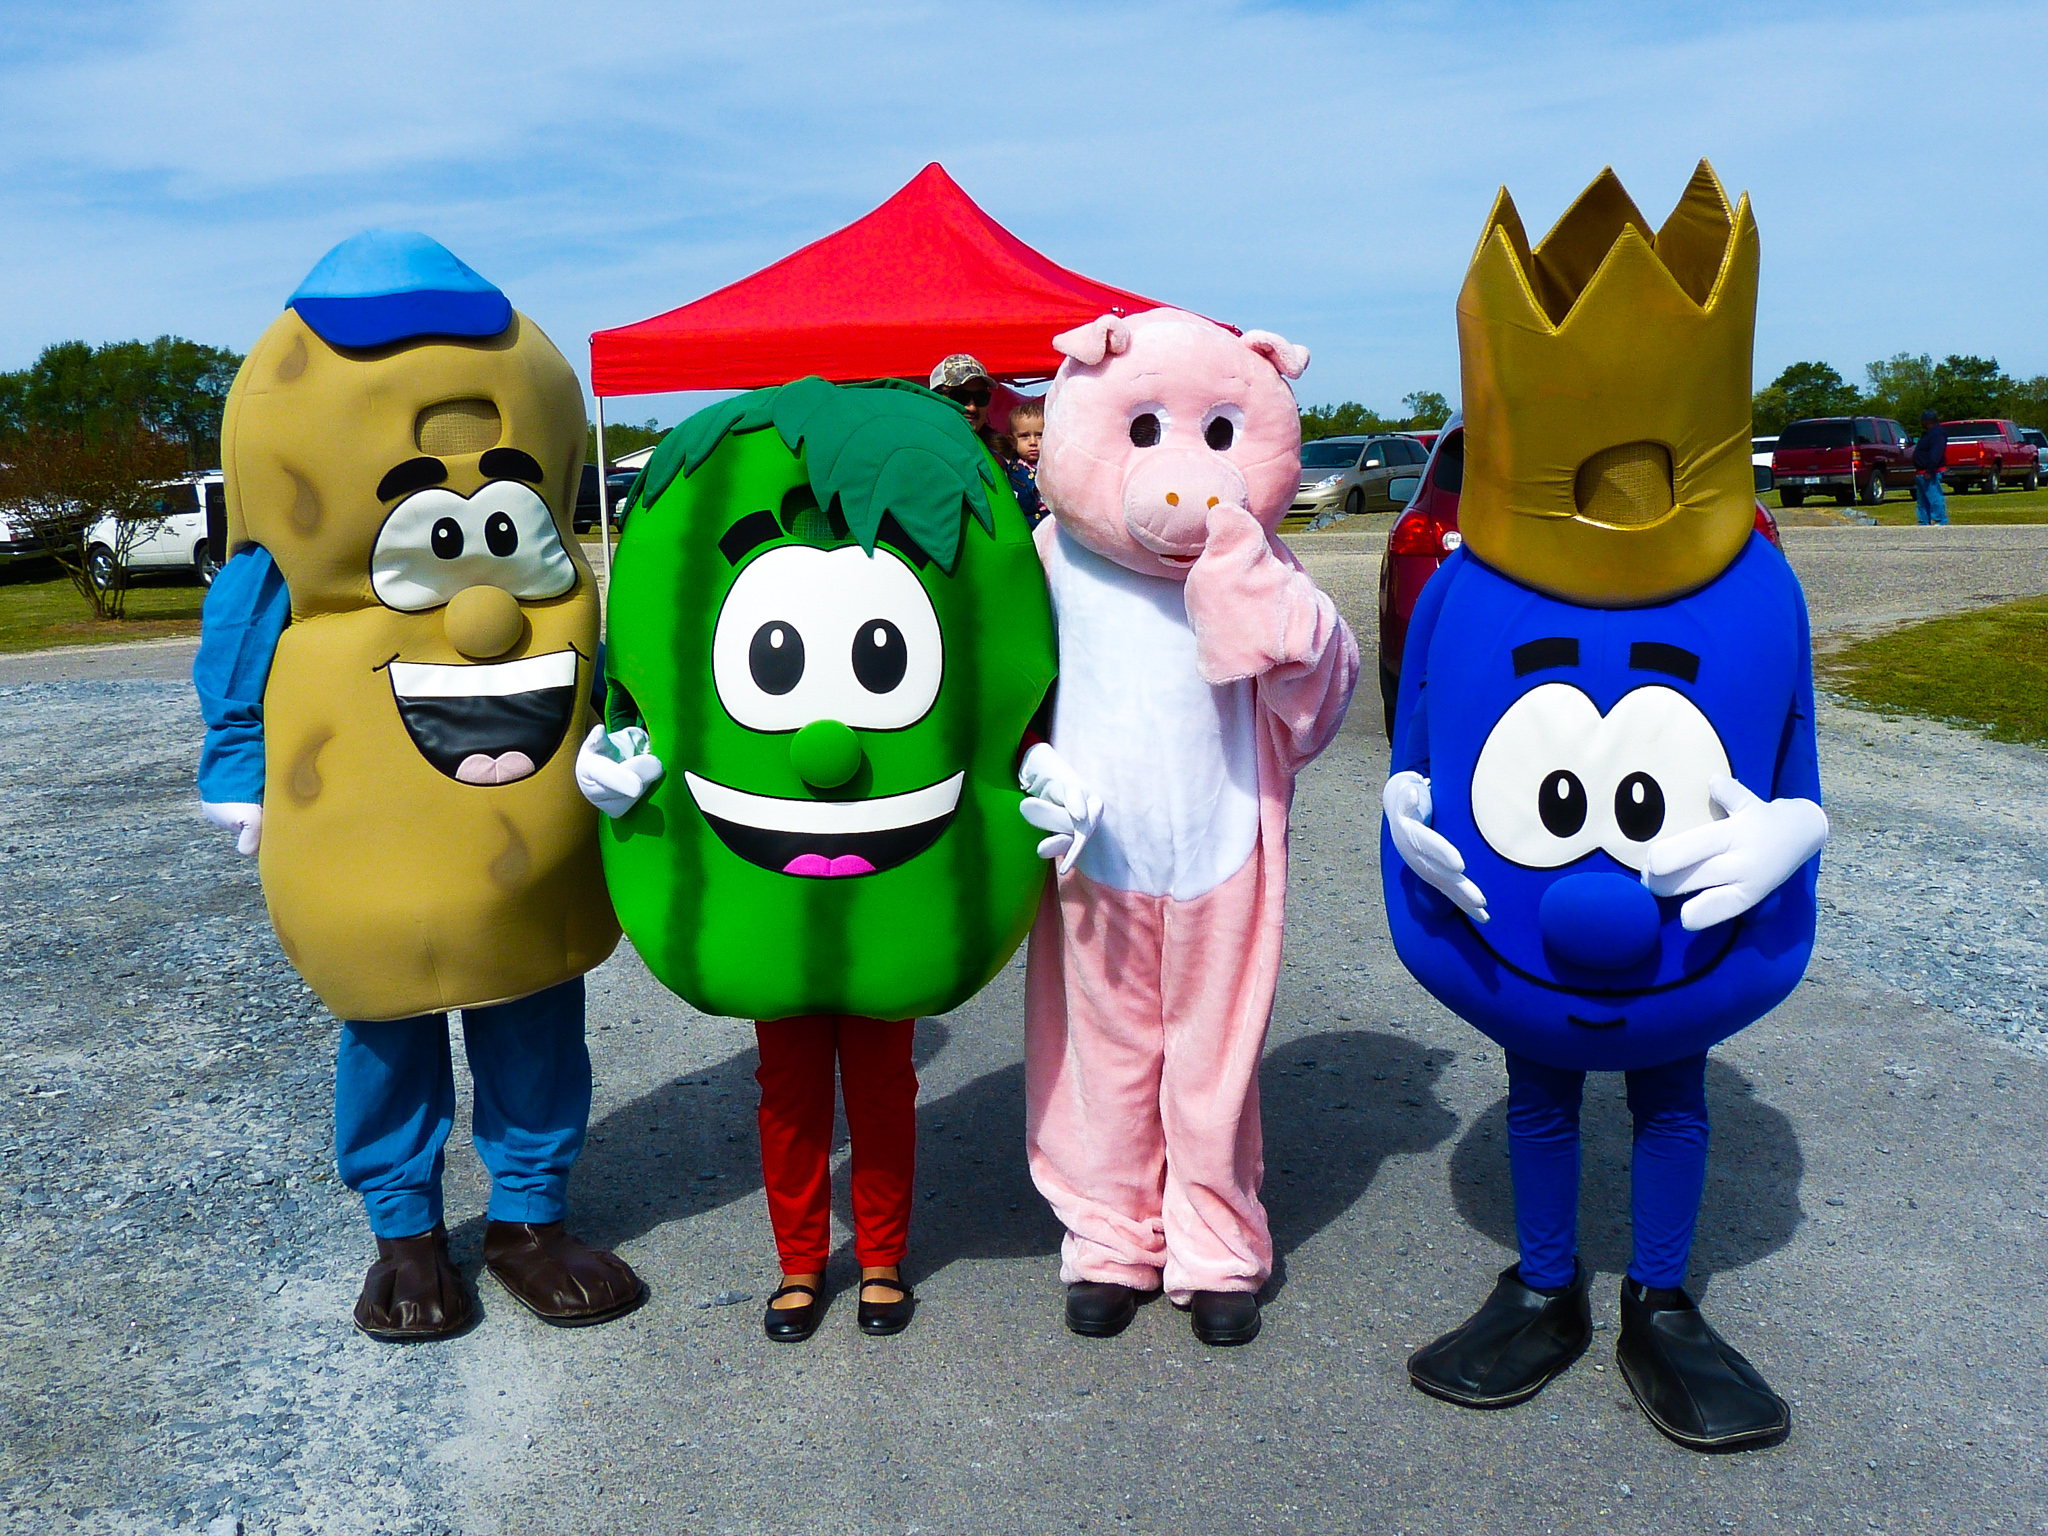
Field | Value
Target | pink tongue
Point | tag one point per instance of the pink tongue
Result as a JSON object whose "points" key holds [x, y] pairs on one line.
{"points": [[506, 769], [818, 867]]}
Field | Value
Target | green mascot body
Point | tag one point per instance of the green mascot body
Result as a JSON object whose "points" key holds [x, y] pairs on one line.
{"points": [[829, 618]]}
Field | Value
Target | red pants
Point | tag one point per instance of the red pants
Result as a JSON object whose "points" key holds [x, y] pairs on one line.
{"points": [[796, 1134]]}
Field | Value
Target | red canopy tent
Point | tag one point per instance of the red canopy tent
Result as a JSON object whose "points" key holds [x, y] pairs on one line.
{"points": [[924, 275]]}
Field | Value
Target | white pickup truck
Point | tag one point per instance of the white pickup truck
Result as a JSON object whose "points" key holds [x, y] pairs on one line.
{"points": [[177, 543]]}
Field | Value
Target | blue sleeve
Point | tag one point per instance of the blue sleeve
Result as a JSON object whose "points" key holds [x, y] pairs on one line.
{"points": [[246, 610], [1411, 707]]}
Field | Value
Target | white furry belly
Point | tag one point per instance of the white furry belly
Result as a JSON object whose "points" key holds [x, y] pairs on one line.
{"points": [[1173, 758]]}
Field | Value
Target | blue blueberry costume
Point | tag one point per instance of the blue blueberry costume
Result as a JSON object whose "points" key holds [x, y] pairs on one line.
{"points": [[1580, 967], [394, 1095]]}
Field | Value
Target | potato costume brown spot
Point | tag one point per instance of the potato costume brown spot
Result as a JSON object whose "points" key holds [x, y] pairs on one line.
{"points": [[421, 852]]}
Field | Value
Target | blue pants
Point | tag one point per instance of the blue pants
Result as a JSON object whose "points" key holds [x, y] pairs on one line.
{"points": [[1929, 505], [394, 1104], [1667, 1174]]}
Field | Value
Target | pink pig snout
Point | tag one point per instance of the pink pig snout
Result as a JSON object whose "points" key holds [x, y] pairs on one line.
{"points": [[1168, 495]]}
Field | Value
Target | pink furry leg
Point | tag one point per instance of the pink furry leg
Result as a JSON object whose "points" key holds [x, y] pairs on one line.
{"points": [[1092, 1051], [1222, 958]]}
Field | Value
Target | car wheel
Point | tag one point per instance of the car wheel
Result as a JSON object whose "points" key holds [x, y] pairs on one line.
{"points": [[1792, 498], [101, 568], [1873, 491], [1354, 503], [1390, 692], [1989, 484], [203, 564], [2033, 480]]}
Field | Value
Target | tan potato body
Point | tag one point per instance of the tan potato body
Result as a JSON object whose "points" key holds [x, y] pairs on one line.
{"points": [[397, 888]]}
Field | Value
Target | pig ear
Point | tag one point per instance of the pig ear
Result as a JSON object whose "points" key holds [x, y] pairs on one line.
{"points": [[1279, 351], [1092, 342]]}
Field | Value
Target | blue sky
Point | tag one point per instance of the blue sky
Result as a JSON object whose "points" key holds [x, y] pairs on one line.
{"points": [[1317, 169]]}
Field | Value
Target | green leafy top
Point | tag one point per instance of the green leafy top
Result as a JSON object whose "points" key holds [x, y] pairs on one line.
{"points": [[881, 449]]}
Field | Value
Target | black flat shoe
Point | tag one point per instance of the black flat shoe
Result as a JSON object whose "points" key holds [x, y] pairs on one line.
{"points": [[1100, 1309], [792, 1325], [1224, 1317], [882, 1318], [1693, 1384], [1511, 1348]]}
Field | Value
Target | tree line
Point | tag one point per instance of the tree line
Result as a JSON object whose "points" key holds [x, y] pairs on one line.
{"points": [[1426, 410], [88, 432], [1957, 388]]}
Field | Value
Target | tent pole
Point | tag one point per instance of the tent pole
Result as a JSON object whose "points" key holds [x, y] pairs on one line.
{"points": [[604, 507]]}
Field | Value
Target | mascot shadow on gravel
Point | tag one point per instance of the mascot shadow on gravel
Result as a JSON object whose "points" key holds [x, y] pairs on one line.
{"points": [[1336, 1105], [1751, 1209]]}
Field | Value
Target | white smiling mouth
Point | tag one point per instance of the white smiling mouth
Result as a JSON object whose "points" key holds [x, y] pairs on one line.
{"points": [[827, 818], [495, 680]]}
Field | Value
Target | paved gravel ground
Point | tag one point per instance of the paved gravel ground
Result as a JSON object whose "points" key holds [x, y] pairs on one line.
{"points": [[179, 1259]]}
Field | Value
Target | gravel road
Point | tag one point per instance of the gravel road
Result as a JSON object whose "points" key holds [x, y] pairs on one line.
{"points": [[179, 1259]]}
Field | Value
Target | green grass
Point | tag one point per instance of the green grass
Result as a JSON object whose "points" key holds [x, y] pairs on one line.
{"points": [[1964, 507], [1987, 670], [39, 610]]}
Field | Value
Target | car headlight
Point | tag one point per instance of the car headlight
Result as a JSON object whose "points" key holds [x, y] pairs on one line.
{"points": [[1326, 482]]}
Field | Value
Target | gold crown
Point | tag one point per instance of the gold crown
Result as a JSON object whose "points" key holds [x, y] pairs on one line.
{"points": [[1606, 377]]}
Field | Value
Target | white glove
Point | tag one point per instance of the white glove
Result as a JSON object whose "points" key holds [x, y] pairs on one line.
{"points": [[245, 821], [1429, 854], [614, 770], [1058, 803], [1735, 863]]}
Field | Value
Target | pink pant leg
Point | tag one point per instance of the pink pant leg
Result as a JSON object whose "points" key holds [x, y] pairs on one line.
{"points": [[1092, 1052], [1221, 955]]}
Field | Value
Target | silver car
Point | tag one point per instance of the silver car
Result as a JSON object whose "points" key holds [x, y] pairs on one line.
{"points": [[1356, 474]]}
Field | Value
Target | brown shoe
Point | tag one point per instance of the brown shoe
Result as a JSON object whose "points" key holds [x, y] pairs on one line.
{"points": [[558, 1277], [414, 1291]]}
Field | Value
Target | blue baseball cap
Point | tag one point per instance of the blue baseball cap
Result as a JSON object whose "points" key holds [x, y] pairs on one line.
{"points": [[388, 285]]}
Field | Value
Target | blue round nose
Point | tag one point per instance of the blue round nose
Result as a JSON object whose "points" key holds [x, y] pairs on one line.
{"points": [[1607, 922]]}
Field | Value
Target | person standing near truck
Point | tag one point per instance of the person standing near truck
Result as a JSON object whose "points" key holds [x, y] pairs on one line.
{"points": [[1930, 453]]}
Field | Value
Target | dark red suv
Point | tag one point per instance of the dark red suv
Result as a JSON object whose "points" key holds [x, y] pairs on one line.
{"points": [[1847, 457], [1423, 537]]}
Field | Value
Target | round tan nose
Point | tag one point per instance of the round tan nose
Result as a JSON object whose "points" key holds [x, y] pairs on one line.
{"points": [[483, 622]]}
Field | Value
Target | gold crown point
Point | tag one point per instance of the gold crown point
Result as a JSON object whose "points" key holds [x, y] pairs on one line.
{"points": [[1606, 382]]}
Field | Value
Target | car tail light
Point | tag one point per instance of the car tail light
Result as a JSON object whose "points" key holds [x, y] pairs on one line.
{"points": [[1423, 536]]}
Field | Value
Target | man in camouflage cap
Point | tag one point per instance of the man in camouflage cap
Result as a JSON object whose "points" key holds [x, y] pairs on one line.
{"points": [[962, 379]]}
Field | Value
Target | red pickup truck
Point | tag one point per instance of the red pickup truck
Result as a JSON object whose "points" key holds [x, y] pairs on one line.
{"points": [[1987, 454], [1847, 457]]}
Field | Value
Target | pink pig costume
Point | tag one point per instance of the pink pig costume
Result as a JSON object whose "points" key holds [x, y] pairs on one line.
{"points": [[1200, 671]]}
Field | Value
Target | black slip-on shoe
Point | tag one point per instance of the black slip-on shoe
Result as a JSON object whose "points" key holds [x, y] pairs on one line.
{"points": [[792, 1325], [1512, 1347], [1224, 1317], [1100, 1309], [1693, 1384], [882, 1318]]}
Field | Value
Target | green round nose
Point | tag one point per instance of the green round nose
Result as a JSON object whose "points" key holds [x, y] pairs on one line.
{"points": [[825, 754]]}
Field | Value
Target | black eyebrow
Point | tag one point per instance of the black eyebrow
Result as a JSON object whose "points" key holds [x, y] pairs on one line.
{"points": [[511, 464], [1656, 656], [748, 535], [1535, 655], [410, 476]]}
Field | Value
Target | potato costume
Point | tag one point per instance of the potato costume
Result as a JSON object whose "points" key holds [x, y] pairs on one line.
{"points": [[393, 666]]}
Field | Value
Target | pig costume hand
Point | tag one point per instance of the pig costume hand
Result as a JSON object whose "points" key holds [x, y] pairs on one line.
{"points": [[1200, 669]]}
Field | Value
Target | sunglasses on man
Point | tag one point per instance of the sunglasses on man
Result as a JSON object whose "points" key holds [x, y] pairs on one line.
{"points": [[976, 396]]}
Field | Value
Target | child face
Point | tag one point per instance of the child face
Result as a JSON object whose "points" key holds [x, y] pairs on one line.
{"points": [[1029, 433]]}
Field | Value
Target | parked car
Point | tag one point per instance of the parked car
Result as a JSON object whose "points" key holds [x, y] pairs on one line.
{"points": [[1760, 451], [1848, 457], [1353, 474], [176, 542], [1424, 536], [617, 483], [1988, 454], [2039, 439], [17, 543]]}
